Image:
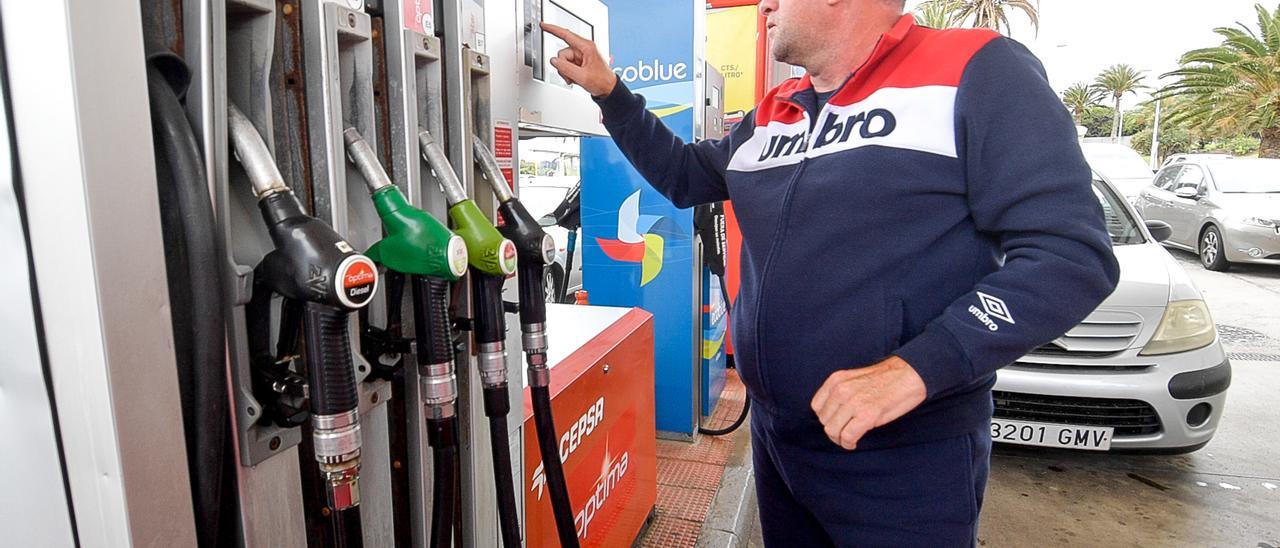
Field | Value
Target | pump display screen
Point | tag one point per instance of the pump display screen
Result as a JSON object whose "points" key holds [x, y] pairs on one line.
{"points": [[556, 15]]}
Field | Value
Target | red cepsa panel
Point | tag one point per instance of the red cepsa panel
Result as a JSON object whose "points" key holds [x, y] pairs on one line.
{"points": [[603, 402]]}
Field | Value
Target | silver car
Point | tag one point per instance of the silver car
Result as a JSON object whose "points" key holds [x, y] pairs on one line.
{"points": [[1144, 371], [1227, 211]]}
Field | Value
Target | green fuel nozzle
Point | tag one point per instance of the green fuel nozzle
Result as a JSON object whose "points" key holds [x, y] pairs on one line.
{"points": [[487, 250], [420, 246], [416, 243]]}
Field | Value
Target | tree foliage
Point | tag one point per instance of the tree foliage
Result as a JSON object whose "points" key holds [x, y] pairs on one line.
{"points": [[1117, 81], [1079, 97], [1100, 119], [989, 14], [1234, 88], [936, 14]]}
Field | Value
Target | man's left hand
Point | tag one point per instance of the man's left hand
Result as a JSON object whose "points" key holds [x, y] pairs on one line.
{"points": [[853, 401]]}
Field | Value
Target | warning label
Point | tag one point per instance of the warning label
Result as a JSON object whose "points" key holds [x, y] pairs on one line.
{"points": [[503, 137]]}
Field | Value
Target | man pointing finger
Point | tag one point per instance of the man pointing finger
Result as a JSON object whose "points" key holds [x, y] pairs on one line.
{"points": [[911, 177]]}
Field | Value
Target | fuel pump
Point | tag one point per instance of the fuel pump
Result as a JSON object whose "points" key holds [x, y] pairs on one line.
{"points": [[492, 258], [322, 279], [419, 246], [536, 250]]}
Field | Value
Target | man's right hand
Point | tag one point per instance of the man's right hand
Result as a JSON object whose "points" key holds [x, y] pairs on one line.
{"points": [[581, 63]]}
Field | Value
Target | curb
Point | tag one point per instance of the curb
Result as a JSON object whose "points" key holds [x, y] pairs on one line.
{"points": [[733, 511]]}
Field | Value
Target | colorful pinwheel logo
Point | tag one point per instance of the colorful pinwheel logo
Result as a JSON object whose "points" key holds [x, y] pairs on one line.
{"points": [[638, 240]]}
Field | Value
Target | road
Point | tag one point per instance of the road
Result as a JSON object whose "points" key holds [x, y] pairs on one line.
{"points": [[1227, 494]]}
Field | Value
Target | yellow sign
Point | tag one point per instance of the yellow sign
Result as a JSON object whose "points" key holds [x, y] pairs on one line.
{"points": [[731, 49]]}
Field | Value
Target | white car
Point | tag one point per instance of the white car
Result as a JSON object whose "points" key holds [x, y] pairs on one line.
{"points": [[541, 196], [1144, 371], [1121, 165], [1197, 157]]}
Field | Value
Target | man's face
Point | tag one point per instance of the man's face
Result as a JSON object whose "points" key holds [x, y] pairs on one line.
{"points": [[794, 27]]}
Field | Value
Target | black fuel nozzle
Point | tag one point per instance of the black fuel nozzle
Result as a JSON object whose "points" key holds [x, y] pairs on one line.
{"points": [[535, 250], [312, 265]]}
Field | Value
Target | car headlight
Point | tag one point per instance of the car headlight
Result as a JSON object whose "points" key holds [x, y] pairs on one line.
{"points": [[1186, 325], [1259, 221]]}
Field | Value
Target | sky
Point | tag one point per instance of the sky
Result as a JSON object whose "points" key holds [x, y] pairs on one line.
{"points": [[1080, 38]]}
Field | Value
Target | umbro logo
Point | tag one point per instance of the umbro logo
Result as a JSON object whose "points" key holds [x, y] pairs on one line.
{"points": [[992, 307], [836, 129], [996, 307]]}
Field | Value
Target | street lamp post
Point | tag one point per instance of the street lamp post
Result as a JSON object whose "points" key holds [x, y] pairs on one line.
{"points": [[1155, 139]]}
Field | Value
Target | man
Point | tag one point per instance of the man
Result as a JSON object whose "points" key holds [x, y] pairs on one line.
{"points": [[916, 213]]}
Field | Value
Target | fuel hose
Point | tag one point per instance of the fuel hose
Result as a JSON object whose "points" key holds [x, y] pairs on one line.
{"points": [[192, 251], [491, 258], [536, 250]]}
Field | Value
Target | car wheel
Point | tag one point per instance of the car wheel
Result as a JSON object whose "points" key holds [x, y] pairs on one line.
{"points": [[1213, 254], [551, 279]]}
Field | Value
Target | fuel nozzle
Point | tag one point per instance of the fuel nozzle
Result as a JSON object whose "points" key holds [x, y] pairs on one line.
{"points": [[535, 250], [311, 264], [420, 246], [492, 259], [491, 256]]}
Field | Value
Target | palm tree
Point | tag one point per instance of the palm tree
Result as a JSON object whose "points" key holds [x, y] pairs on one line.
{"points": [[1234, 87], [1079, 97], [937, 14], [1118, 81], [990, 14]]}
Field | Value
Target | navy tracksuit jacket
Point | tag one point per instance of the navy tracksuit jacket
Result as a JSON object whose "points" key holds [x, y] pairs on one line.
{"points": [[937, 208]]}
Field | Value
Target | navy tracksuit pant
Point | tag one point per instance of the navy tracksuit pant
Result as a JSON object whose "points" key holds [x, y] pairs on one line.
{"points": [[928, 494]]}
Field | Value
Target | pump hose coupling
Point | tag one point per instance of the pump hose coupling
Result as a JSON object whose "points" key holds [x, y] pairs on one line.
{"points": [[534, 340], [491, 361], [337, 450], [439, 388]]}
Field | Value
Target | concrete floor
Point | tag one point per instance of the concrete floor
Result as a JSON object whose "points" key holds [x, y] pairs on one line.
{"points": [[1226, 494]]}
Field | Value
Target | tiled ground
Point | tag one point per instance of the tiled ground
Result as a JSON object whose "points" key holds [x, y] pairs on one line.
{"points": [[689, 475]]}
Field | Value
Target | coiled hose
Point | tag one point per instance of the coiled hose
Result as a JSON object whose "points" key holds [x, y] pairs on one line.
{"points": [[192, 260]]}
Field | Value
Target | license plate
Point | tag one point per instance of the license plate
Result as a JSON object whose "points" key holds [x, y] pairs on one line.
{"points": [[1092, 438]]}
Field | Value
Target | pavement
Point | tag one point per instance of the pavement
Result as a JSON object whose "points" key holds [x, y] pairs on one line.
{"points": [[706, 493], [1226, 494]]}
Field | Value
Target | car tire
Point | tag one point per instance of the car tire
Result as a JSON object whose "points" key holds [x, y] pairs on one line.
{"points": [[1213, 250], [552, 278]]}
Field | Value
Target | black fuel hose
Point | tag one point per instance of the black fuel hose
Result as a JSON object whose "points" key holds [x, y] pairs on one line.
{"points": [[533, 311], [192, 254], [746, 401], [442, 435], [490, 332], [435, 346], [347, 530], [536, 249], [552, 466], [496, 406]]}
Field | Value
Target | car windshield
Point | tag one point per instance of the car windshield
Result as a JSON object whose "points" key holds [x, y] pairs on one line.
{"points": [[1117, 162], [1247, 176], [541, 200], [1121, 226]]}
